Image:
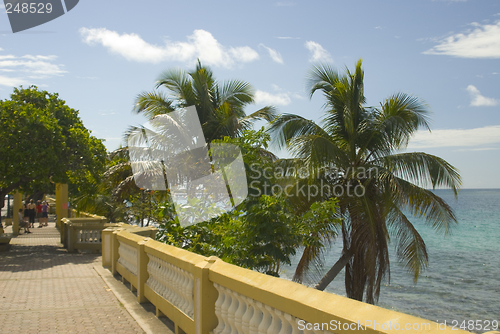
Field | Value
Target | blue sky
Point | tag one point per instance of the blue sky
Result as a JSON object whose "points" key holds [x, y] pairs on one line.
{"points": [[101, 54]]}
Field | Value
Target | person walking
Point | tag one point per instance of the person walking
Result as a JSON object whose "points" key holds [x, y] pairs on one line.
{"points": [[39, 213], [32, 213], [26, 210], [23, 223], [45, 213]]}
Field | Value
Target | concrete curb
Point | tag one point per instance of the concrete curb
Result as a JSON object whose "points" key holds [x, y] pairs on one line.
{"points": [[146, 319]]}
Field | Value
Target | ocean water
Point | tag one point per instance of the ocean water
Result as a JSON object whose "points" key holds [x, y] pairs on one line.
{"points": [[462, 280]]}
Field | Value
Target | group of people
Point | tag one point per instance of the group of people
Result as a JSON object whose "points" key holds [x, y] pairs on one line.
{"points": [[31, 211]]}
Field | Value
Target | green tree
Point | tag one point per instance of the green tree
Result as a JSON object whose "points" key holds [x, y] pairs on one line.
{"points": [[44, 141], [220, 107], [360, 148], [261, 233]]}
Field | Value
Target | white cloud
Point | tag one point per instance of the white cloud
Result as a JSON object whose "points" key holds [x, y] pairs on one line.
{"points": [[479, 100], [28, 67], [318, 53], [11, 82], [244, 54], [477, 149], [286, 37], [273, 99], [456, 137], [285, 4], [483, 41], [275, 55], [201, 44]]}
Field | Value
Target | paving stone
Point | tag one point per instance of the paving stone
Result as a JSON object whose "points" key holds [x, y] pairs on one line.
{"points": [[43, 289]]}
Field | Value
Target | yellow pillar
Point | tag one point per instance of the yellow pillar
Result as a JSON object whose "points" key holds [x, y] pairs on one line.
{"points": [[205, 296], [18, 204], [61, 203]]}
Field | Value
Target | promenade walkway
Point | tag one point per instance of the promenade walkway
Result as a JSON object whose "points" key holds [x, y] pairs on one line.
{"points": [[44, 289]]}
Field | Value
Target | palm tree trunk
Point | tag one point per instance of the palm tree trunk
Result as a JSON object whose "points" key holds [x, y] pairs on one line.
{"points": [[334, 271]]}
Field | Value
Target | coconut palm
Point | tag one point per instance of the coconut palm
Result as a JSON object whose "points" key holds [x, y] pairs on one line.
{"points": [[220, 106], [357, 152]]}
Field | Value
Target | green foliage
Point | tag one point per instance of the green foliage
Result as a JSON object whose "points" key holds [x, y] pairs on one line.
{"points": [[319, 227], [262, 234], [271, 234], [43, 142]]}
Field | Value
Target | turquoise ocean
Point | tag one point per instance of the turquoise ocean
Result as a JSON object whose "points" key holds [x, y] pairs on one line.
{"points": [[462, 280]]}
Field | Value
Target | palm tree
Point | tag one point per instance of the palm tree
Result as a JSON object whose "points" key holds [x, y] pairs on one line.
{"points": [[220, 106], [356, 151]]}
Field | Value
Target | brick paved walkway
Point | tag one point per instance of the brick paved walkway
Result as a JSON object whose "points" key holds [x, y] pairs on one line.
{"points": [[43, 289]]}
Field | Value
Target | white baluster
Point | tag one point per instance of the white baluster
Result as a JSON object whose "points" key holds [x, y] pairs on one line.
{"points": [[164, 282], [266, 319], [256, 318], [245, 320], [224, 311], [185, 292], [172, 285], [232, 311], [275, 325], [293, 322], [238, 315], [190, 294], [286, 326], [188, 297], [218, 309], [181, 290]]}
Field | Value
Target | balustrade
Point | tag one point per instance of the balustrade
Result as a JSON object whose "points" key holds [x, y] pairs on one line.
{"points": [[237, 313], [172, 283], [128, 257], [227, 299], [88, 236]]}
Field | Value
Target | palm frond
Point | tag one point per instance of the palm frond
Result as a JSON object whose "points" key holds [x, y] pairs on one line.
{"points": [[152, 104], [288, 126], [410, 246], [267, 113], [178, 83], [318, 151], [422, 169], [237, 92], [399, 117], [420, 202], [322, 77]]}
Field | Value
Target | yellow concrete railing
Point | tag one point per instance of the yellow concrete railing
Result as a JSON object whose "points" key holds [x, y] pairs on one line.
{"points": [[86, 233], [208, 295], [82, 233], [81, 214]]}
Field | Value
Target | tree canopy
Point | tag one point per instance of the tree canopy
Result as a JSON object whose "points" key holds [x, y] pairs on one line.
{"points": [[44, 141]]}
